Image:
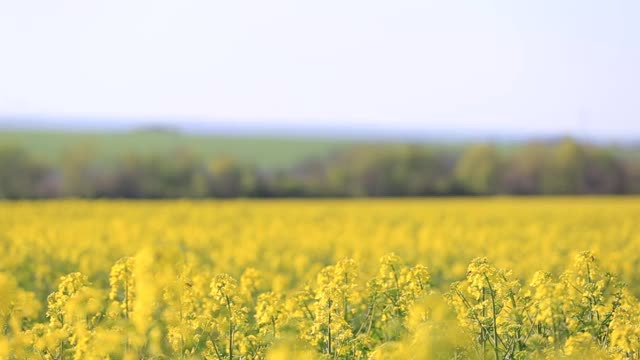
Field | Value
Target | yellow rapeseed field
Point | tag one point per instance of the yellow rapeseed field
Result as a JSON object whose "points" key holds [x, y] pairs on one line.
{"points": [[497, 278]]}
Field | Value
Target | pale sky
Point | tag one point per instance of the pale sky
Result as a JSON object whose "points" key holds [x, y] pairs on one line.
{"points": [[529, 66]]}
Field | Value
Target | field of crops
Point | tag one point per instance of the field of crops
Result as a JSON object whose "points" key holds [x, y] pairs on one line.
{"points": [[265, 151], [335, 279]]}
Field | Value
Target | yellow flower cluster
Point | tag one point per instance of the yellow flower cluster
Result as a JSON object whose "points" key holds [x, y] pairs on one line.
{"points": [[577, 313], [348, 279]]}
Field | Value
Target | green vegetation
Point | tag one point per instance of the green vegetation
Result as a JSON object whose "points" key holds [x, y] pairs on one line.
{"points": [[552, 168], [267, 152]]}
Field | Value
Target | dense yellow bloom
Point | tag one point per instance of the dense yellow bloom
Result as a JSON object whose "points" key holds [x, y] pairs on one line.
{"points": [[122, 284], [348, 279], [625, 328], [270, 313]]}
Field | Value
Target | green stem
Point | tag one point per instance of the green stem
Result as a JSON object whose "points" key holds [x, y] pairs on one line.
{"points": [[215, 348], [494, 316], [329, 327], [230, 326]]}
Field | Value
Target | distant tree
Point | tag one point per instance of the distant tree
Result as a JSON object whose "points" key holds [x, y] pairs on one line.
{"points": [[80, 171], [524, 169], [177, 173], [631, 179], [21, 176], [429, 172], [479, 169], [563, 167], [604, 173], [230, 178], [564, 171]]}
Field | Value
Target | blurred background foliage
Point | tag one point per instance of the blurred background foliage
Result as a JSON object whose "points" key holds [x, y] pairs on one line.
{"points": [[269, 167]]}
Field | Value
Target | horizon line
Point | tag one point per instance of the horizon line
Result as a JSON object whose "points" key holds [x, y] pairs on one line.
{"points": [[305, 127]]}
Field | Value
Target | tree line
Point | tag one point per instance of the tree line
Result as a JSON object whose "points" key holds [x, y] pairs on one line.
{"points": [[564, 167]]}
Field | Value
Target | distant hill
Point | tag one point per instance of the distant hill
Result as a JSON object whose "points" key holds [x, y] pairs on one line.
{"points": [[267, 145], [313, 129], [265, 151]]}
